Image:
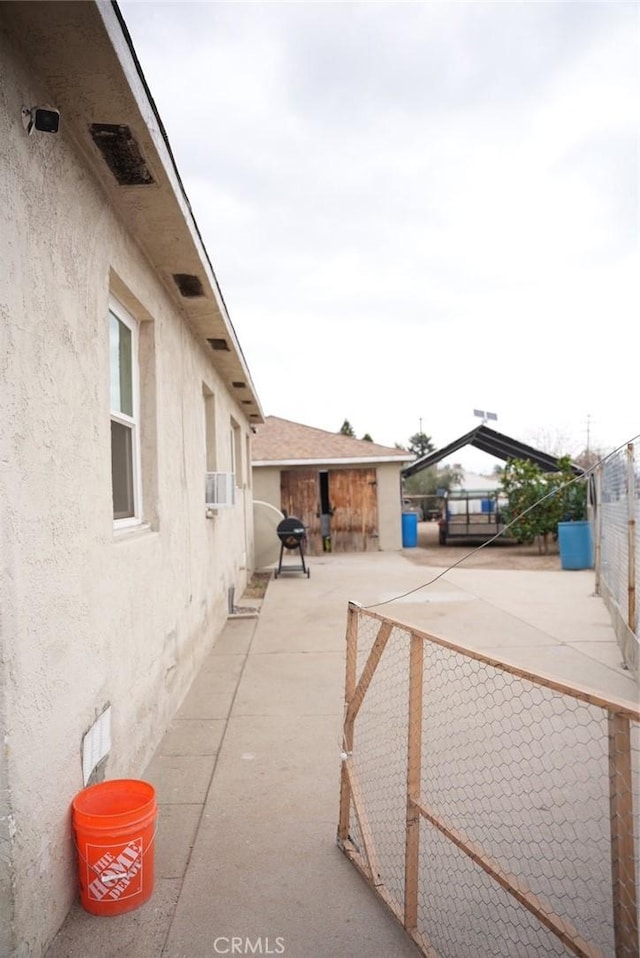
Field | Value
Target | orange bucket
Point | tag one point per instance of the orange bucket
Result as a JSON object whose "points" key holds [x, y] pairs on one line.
{"points": [[114, 823]]}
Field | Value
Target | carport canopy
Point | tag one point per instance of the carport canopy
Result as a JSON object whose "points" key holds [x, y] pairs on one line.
{"points": [[494, 443]]}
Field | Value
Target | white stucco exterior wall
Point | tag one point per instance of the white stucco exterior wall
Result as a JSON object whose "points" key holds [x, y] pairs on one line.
{"points": [[90, 617]]}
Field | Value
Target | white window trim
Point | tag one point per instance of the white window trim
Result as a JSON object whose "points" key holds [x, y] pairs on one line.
{"points": [[237, 463], [232, 438], [128, 320]]}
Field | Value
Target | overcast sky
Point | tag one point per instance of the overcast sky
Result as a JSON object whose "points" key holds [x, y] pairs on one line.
{"points": [[415, 210]]}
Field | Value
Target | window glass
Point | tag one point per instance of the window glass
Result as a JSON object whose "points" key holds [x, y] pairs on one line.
{"points": [[122, 470], [209, 429], [121, 356], [125, 417]]}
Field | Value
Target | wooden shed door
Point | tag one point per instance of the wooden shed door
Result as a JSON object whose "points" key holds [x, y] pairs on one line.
{"points": [[299, 497], [354, 500]]}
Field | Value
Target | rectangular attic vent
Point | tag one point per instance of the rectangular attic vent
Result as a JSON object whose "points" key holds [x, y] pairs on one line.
{"points": [[121, 153], [220, 344], [188, 285], [239, 385]]}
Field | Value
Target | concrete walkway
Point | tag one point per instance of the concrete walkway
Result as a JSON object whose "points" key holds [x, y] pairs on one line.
{"points": [[247, 775]]}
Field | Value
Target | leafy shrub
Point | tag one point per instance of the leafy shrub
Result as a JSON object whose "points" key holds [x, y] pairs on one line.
{"points": [[538, 501]]}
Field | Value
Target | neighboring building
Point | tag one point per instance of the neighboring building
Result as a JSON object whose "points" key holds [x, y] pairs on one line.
{"points": [[346, 491], [122, 382], [474, 493]]}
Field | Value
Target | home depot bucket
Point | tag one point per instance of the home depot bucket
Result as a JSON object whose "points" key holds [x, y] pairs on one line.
{"points": [[114, 823]]}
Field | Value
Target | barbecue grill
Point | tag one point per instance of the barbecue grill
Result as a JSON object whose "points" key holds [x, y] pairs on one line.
{"points": [[292, 535]]}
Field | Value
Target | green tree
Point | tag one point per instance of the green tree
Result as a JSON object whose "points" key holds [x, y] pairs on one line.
{"points": [[572, 493], [347, 429], [538, 501], [420, 444], [367, 437], [523, 484], [432, 482]]}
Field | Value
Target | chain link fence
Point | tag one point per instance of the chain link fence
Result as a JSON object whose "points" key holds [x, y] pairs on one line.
{"points": [[492, 809], [617, 539]]}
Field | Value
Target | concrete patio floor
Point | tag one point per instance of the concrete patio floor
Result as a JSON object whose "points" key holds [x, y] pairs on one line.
{"points": [[247, 775]]}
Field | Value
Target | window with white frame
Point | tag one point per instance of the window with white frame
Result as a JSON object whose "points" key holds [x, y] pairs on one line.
{"points": [[236, 453], [247, 446], [210, 451], [125, 416]]}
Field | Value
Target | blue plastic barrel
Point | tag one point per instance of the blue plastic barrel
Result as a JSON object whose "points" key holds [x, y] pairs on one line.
{"points": [[576, 546], [409, 530]]}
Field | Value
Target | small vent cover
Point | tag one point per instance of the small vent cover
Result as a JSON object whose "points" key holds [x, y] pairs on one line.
{"points": [[189, 286], [121, 153], [219, 344]]}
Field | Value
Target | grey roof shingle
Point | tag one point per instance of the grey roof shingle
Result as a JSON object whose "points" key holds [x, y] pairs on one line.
{"points": [[280, 440]]}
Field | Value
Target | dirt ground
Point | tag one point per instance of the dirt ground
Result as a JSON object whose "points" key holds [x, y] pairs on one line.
{"points": [[501, 554], [257, 585]]}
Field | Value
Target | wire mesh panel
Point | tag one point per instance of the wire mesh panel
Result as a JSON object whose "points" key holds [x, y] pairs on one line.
{"points": [[619, 540], [497, 805]]}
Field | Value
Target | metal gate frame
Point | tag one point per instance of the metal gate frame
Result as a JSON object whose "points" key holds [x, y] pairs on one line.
{"points": [[620, 716]]}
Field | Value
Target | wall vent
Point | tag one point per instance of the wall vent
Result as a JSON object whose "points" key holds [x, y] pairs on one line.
{"points": [[219, 344], [238, 384], [121, 153], [189, 286]]}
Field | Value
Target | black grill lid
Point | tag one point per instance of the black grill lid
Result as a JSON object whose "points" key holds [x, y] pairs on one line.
{"points": [[291, 531]]}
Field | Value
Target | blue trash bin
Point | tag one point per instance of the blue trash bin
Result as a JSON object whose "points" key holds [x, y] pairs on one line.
{"points": [[576, 546], [409, 530]]}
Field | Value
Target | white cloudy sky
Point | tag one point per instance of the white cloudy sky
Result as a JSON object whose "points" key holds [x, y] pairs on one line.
{"points": [[416, 209]]}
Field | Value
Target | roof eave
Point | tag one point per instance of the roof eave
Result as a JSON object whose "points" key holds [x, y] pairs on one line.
{"points": [[84, 58], [328, 462]]}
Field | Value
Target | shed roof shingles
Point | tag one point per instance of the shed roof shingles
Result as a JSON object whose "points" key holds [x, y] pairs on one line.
{"points": [[280, 440]]}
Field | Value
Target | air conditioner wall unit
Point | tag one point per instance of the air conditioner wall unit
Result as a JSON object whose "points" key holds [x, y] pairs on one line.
{"points": [[220, 490]]}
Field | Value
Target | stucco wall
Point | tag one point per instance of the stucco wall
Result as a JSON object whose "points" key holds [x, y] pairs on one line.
{"points": [[266, 484], [89, 617], [389, 506]]}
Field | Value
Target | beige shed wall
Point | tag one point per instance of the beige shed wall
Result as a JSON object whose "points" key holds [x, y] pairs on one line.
{"points": [[90, 618], [389, 506], [266, 484]]}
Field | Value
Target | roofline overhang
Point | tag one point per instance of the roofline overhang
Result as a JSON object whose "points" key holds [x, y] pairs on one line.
{"points": [[328, 462], [107, 87], [117, 29]]}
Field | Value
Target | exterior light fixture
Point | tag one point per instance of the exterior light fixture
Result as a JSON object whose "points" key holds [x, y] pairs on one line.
{"points": [[41, 118]]}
